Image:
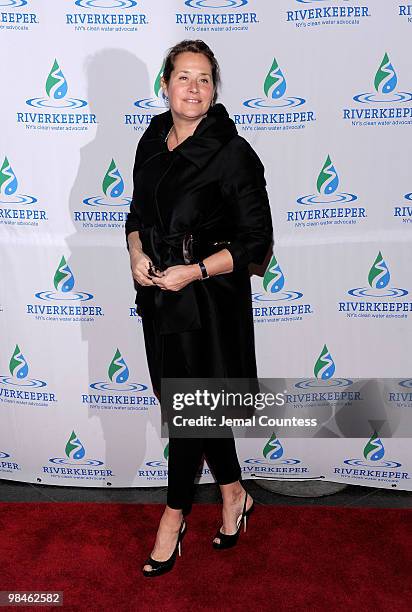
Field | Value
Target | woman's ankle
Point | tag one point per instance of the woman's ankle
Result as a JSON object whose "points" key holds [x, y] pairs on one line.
{"points": [[171, 515], [231, 493]]}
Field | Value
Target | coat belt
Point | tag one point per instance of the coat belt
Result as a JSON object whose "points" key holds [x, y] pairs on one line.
{"points": [[176, 311]]}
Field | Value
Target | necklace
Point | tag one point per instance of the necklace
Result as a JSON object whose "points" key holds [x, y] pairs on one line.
{"points": [[168, 134]]}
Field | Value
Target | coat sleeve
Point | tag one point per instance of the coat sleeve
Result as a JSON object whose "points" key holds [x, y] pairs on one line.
{"points": [[133, 221], [244, 188]]}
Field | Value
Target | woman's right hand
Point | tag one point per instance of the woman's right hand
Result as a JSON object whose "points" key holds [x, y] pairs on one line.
{"points": [[140, 263]]}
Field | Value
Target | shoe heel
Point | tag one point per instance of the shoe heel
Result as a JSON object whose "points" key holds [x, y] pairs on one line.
{"points": [[246, 515]]}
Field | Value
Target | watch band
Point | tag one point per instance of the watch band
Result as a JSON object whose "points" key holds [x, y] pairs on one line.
{"points": [[203, 270]]}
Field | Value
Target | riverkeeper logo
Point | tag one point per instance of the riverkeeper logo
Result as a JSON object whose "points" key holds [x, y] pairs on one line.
{"points": [[216, 16], [146, 106], [57, 101], [17, 388], [397, 109], [275, 103], [404, 212], [324, 371], [372, 466], [328, 206], [64, 284], [112, 198], [159, 101], [405, 11], [400, 393], [75, 465], [377, 299], [12, 202], [155, 469], [274, 462], [118, 392], [314, 13], [133, 313], [16, 15], [6, 463], [106, 16], [276, 304]]}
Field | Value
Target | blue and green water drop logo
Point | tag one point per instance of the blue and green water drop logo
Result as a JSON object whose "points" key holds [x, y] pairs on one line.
{"points": [[385, 78], [385, 82], [379, 275], [273, 449], [56, 84], [275, 82], [159, 101], [328, 179], [157, 84], [18, 365], [273, 280], [74, 448], [63, 277], [274, 88], [113, 185], [63, 281], [166, 452], [273, 283], [118, 377], [19, 370], [8, 180], [327, 184], [374, 449], [118, 370], [113, 188], [56, 89], [9, 185], [75, 452], [378, 281], [325, 366]]}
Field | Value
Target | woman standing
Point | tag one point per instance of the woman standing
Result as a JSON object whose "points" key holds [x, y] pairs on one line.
{"points": [[199, 187]]}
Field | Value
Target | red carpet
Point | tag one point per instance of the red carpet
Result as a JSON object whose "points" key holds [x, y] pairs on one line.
{"points": [[296, 558]]}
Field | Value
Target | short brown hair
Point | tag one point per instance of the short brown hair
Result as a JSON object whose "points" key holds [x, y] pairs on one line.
{"points": [[192, 46]]}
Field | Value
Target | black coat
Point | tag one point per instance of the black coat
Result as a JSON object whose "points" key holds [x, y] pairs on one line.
{"points": [[211, 185]]}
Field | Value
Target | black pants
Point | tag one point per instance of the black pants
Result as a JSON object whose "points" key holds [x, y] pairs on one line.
{"points": [[184, 356], [185, 455]]}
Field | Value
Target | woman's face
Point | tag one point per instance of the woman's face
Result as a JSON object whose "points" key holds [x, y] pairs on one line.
{"points": [[190, 88]]}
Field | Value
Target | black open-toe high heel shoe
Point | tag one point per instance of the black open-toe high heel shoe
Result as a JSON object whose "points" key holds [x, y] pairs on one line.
{"points": [[161, 567], [228, 541]]}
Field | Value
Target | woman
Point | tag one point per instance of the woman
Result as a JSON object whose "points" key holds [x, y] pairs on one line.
{"points": [[199, 187]]}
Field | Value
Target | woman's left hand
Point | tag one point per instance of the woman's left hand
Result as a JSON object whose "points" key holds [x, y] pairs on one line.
{"points": [[177, 277]]}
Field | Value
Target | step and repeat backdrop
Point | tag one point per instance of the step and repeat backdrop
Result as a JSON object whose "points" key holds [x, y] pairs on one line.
{"points": [[322, 89]]}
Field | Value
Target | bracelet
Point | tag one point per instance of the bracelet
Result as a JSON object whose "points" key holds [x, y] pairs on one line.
{"points": [[203, 270]]}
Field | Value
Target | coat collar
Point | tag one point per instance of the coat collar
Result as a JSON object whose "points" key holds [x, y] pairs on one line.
{"points": [[212, 133]]}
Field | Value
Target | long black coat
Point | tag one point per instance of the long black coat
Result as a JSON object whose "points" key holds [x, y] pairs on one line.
{"points": [[211, 185]]}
